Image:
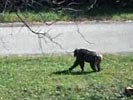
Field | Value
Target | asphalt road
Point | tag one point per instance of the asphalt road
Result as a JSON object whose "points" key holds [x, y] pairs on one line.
{"points": [[105, 37]]}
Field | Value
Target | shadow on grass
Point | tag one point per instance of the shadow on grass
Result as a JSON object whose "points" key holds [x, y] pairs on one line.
{"points": [[67, 72]]}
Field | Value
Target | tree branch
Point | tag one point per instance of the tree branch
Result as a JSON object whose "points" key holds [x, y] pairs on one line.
{"points": [[82, 36], [44, 34]]}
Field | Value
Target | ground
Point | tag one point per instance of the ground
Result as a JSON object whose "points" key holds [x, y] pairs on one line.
{"points": [[44, 77]]}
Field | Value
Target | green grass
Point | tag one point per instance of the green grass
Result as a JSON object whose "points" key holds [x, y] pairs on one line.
{"points": [[97, 13], [44, 78], [31, 16]]}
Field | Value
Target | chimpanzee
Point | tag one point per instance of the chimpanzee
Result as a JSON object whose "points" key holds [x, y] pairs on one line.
{"points": [[84, 55]]}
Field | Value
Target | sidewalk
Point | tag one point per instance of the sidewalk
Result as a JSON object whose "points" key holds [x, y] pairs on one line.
{"points": [[105, 37]]}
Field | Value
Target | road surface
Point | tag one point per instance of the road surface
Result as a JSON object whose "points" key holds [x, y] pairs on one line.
{"points": [[105, 37]]}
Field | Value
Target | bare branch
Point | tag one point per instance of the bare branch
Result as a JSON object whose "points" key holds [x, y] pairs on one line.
{"points": [[45, 34], [5, 6], [92, 5], [59, 3], [46, 23], [72, 9], [28, 25], [67, 7], [57, 35], [40, 43], [52, 40], [72, 3], [78, 31]]}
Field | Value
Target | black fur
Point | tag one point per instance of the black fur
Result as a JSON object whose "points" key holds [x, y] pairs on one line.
{"points": [[84, 55]]}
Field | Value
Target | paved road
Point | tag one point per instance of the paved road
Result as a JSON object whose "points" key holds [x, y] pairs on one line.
{"points": [[105, 37]]}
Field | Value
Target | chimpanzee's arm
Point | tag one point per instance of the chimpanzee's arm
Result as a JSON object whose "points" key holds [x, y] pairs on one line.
{"points": [[76, 63]]}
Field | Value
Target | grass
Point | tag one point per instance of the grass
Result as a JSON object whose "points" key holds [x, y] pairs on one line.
{"points": [[97, 13], [31, 16], [44, 78]]}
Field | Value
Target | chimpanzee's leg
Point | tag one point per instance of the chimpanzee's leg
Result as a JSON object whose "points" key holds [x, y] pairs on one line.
{"points": [[94, 66], [98, 66], [98, 62], [76, 63], [82, 65]]}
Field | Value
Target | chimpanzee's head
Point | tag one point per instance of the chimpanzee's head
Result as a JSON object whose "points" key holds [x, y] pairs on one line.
{"points": [[75, 52]]}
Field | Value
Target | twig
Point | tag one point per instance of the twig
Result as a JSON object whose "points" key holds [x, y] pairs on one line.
{"points": [[78, 31], [57, 35], [38, 33], [46, 23], [5, 6], [28, 25], [40, 43], [92, 5]]}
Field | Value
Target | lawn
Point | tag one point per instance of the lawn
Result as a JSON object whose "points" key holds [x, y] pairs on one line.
{"points": [[44, 78], [97, 13]]}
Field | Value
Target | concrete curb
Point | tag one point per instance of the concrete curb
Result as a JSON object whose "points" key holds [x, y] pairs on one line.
{"points": [[20, 24]]}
